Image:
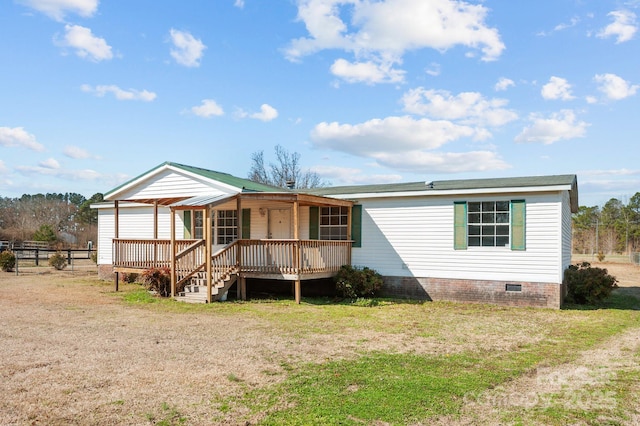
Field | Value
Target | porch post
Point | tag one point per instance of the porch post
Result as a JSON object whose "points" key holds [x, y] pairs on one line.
{"points": [[297, 288], [155, 231], [349, 236], [172, 219], [116, 226], [208, 240], [241, 282]]}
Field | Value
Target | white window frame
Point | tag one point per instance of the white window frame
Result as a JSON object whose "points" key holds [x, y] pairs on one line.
{"points": [[334, 222]]}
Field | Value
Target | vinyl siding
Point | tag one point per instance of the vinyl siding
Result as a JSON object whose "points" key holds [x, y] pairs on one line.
{"points": [[134, 223], [106, 227], [567, 224], [260, 222], [172, 184], [414, 237]]}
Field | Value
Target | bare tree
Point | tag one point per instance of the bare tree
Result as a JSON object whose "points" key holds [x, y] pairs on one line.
{"points": [[284, 173]]}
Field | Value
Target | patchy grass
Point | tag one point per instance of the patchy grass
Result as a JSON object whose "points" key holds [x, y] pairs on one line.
{"points": [[100, 357], [412, 388]]}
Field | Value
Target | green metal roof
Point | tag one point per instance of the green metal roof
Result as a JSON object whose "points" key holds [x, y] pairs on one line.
{"points": [[244, 184], [449, 185]]}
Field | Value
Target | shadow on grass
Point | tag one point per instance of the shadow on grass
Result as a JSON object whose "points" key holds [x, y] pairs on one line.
{"points": [[624, 298], [363, 302]]}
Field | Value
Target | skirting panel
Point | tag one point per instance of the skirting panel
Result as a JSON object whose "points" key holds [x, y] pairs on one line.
{"points": [[510, 293]]}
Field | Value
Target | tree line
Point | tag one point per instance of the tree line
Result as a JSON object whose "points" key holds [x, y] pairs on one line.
{"points": [[614, 228], [66, 219]]}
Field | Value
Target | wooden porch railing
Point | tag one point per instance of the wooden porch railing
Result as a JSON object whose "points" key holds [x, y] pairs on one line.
{"points": [[289, 257], [145, 254], [189, 262], [293, 257], [224, 263]]}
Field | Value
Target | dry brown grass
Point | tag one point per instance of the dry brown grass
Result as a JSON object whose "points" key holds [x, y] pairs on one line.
{"points": [[72, 352]]}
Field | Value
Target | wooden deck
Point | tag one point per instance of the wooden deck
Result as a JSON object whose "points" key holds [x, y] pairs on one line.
{"points": [[268, 259]]}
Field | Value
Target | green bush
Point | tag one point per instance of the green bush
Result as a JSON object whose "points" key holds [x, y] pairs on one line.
{"points": [[58, 261], [353, 282], [7, 261], [588, 285], [158, 280]]}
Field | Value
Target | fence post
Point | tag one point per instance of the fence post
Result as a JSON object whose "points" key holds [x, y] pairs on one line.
{"points": [[69, 256], [37, 255]]}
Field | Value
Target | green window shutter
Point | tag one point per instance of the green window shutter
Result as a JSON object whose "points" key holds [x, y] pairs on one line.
{"points": [[518, 225], [246, 224], [356, 225], [314, 222], [460, 225], [187, 224]]}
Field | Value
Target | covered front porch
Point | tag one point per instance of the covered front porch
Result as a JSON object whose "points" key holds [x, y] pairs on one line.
{"points": [[216, 267]]}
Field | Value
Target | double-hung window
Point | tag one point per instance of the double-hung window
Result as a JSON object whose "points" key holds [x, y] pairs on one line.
{"points": [[333, 223], [198, 224], [227, 224], [489, 224]]}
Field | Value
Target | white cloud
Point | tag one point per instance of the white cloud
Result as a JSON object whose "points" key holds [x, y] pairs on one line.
{"points": [[86, 45], [381, 32], [3, 167], [267, 113], [392, 133], [503, 84], [466, 107], [366, 72], [239, 3], [560, 27], [615, 87], [623, 26], [57, 9], [77, 153], [208, 108], [49, 163], [405, 143], [557, 88], [612, 172], [563, 26], [120, 94], [352, 176], [187, 49], [447, 162], [559, 126], [18, 137], [67, 174], [433, 70]]}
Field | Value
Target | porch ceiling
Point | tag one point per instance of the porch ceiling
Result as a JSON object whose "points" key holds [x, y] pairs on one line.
{"points": [[168, 201], [303, 199], [204, 201]]}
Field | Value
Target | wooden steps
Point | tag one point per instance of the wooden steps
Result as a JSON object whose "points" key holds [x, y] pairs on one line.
{"points": [[196, 291]]}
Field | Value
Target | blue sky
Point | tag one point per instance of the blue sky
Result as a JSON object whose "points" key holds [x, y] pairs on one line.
{"points": [[93, 92]]}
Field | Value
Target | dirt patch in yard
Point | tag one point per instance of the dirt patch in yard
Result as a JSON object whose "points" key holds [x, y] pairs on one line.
{"points": [[72, 352]]}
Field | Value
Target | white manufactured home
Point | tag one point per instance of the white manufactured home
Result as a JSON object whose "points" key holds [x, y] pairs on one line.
{"points": [[505, 241]]}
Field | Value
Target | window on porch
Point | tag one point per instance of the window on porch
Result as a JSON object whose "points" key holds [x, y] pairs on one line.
{"points": [[198, 224], [227, 224], [333, 223]]}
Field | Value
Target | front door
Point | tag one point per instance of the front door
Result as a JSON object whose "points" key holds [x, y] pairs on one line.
{"points": [[280, 223]]}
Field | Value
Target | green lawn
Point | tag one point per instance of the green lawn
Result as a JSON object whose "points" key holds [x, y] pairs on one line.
{"points": [[450, 357]]}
